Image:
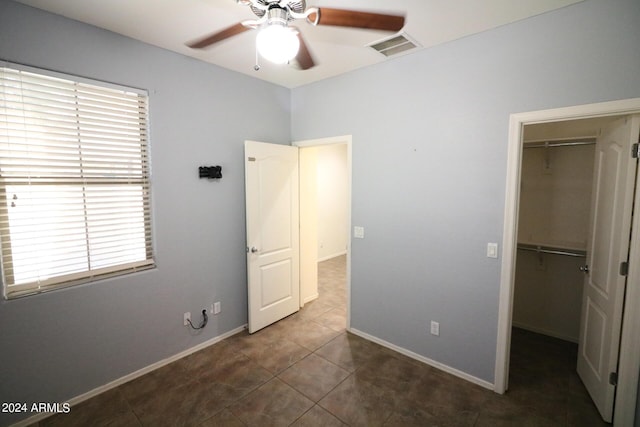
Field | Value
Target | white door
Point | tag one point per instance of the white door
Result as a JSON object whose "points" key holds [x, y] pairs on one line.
{"points": [[271, 190], [608, 246]]}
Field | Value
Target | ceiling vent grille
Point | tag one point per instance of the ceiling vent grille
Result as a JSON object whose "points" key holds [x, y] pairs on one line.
{"points": [[394, 45]]}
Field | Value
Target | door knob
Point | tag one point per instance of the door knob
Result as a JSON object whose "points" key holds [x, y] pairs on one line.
{"points": [[585, 269], [254, 249]]}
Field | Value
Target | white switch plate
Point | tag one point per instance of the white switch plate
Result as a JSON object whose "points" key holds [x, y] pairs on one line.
{"points": [[216, 307], [435, 328], [492, 250], [358, 232]]}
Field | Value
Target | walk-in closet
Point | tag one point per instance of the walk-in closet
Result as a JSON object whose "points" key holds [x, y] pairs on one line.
{"points": [[553, 225], [556, 188]]}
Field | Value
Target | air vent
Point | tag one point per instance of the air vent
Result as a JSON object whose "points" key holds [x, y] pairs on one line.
{"points": [[394, 45]]}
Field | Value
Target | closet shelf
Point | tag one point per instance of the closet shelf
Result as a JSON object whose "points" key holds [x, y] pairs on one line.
{"points": [[552, 250]]}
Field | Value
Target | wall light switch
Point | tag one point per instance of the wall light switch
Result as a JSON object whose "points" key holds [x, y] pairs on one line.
{"points": [[435, 328], [492, 250], [358, 232]]}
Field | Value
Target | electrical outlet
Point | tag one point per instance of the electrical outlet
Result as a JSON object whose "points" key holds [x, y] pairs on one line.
{"points": [[186, 318], [216, 307], [435, 328]]}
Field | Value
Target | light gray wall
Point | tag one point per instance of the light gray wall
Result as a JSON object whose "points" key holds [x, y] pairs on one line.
{"points": [[429, 164], [61, 344]]}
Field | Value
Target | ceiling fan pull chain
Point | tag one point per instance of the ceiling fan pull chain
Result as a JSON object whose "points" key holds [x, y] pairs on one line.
{"points": [[257, 66]]}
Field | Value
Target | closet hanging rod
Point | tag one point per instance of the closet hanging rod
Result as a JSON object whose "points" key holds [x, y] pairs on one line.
{"points": [[564, 139], [551, 250], [556, 144]]}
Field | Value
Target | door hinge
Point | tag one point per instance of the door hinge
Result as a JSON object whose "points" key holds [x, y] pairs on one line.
{"points": [[624, 268], [635, 150], [613, 378]]}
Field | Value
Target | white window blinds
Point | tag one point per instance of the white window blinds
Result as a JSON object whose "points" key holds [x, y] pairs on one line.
{"points": [[74, 182]]}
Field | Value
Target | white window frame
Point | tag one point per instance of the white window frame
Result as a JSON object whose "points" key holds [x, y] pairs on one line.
{"points": [[118, 177]]}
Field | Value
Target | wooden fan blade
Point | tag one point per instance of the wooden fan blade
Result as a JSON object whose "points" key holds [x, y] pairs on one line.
{"points": [[219, 36], [304, 57], [355, 19]]}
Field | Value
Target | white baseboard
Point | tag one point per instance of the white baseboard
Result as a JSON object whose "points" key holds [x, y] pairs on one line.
{"points": [[544, 332], [140, 372], [113, 384], [328, 257], [310, 298], [425, 360]]}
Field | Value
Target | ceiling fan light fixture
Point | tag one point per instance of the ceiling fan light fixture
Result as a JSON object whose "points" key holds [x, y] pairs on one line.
{"points": [[277, 43]]}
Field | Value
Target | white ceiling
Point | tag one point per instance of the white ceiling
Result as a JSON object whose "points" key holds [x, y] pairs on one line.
{"points": [[170, 24]]}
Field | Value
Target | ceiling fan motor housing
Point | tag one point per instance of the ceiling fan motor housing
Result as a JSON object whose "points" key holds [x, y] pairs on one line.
{"points": [[278, 16], [294, 6]]}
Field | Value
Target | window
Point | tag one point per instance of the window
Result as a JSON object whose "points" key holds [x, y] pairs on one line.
{"points": [[74, 181]]}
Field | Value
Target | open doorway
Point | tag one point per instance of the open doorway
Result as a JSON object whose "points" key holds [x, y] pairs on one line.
{"points": [[556, 182], [627, 365], [325, 217]]}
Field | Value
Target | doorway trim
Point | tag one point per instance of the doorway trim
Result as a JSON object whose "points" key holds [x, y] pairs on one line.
{"points": [[345, 139], [625, 402]]}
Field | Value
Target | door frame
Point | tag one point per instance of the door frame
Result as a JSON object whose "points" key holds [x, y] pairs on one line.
{"points": [[344, 139], [629, 365]]}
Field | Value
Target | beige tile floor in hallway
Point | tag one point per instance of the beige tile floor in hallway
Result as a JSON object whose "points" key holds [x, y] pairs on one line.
{"points": [[307, 371]]}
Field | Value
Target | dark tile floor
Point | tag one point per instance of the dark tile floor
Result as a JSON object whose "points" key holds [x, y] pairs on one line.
{"points": [[307, 371]]}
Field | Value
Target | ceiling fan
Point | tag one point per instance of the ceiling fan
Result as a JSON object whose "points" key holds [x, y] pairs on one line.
{"points": [[278, 42]]}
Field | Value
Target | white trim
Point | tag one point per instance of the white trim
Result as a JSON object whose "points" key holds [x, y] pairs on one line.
{"points": [[310, 298], [140, 372], [328, 257], [509, 246], [425, 360], [628, 367], [344, 139], [630, 345]]}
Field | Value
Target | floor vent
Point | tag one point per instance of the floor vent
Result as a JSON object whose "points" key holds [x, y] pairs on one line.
{"points": [[394, 45]]}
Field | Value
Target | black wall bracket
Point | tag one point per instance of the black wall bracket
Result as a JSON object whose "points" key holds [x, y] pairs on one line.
{"points": [[211, 172]]}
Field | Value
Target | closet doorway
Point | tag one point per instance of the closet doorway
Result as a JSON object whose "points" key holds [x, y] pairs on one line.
{"points": [[535, 249], [553, 226], [556, 186]]}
